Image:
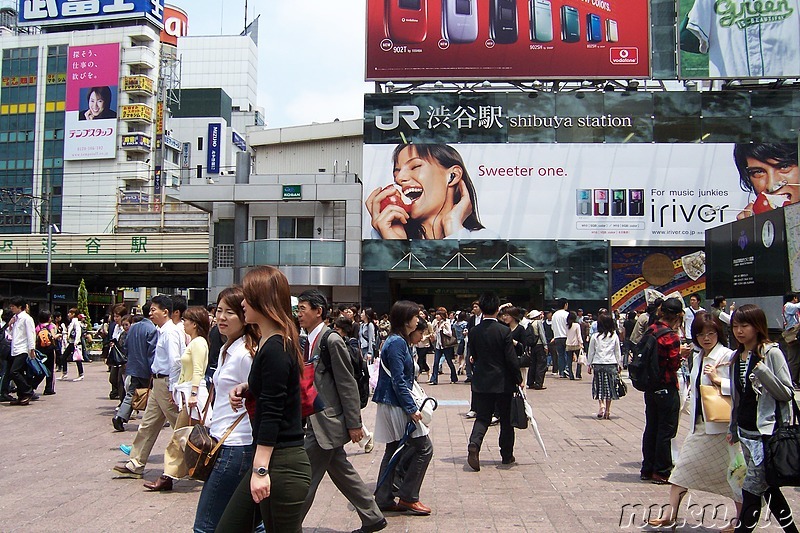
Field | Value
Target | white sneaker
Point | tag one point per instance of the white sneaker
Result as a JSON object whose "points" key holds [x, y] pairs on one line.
{"points": [[494, 421], [471, 414], [79, 378], [370, 445], [62, 378]]}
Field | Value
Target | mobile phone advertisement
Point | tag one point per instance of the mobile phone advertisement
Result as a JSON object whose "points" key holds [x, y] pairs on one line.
{"points": [[507, 39]]}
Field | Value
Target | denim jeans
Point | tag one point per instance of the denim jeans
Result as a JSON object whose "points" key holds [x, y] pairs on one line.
{"points": [[563, 365], [232, 464], [447, 353]]}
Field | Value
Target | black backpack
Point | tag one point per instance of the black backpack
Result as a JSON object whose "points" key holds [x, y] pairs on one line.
{"points": [[5, 345], [531, 336], [643, 368], [360, 370]]}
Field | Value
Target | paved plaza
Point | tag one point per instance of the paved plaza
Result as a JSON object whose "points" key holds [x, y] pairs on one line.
{"points": [[57, 455]]}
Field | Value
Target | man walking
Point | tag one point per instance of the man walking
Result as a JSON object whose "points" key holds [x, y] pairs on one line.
{"points": [[688, 315], [495, 377], [328, 431], [536, 339], [661, 402], [23, 346], [141, 342], [791, 318], [560, 338], [160, 406]]}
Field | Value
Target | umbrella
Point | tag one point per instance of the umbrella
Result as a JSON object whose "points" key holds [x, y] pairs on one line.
{"points": [[534, 426], [395, 458]]}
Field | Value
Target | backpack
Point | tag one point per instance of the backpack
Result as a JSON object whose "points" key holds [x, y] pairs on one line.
{"points": [[44, 339], [5, 344], [360, 370], [531, 335], [643, 368]]}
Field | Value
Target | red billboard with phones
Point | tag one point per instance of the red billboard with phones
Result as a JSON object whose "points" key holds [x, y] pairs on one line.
{"points": [[507, 39]]}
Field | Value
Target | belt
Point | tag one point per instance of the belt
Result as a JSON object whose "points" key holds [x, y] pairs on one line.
{"points": [[160, 376]]}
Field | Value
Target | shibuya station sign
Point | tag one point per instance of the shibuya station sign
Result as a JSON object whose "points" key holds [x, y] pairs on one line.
{"points": [[51, 12]]}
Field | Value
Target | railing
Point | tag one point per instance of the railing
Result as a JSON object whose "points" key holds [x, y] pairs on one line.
{"points": [[294, 252]]}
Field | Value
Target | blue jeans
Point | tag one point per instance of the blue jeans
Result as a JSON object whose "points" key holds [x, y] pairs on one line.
{"points": [[447, 353], [564, 366], [233, 463]]}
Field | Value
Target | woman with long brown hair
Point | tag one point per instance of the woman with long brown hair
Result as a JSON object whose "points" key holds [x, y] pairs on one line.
{"points": [[189, 393], [277, 487], [236, 453]]}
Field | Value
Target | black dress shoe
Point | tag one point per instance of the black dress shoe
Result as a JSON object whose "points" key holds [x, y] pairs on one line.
{"points": [[49, 392], [7, 398], [119, 424], [377, 526], [473, 457], [509, 460]]}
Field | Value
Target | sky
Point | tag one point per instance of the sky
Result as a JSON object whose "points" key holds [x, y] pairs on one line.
{"points": [[310, 54]]}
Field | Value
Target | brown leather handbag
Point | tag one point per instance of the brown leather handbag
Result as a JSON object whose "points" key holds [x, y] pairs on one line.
{"points": [[202, 448]]}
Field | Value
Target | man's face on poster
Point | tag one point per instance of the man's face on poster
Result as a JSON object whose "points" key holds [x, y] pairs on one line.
{"points": [[774, 177]]}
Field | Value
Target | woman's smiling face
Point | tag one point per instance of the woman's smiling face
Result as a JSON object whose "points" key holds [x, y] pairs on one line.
{"points": [[423, 181]]}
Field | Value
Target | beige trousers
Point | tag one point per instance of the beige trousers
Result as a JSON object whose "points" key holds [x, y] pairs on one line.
{"points": [[159, 409]]}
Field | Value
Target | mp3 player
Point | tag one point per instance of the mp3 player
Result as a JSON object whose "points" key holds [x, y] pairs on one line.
{"points": [[584, 202], [601, 202], [406, 20], [618, 205], [636, 202]]}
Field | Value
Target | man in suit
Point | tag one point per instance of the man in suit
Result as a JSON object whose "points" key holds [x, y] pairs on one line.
{"points": [[340, 422], [495, 377]]}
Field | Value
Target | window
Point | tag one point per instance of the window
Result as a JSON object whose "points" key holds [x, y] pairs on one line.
{"points": [[199, 143], [261, 228], [295, 228]]}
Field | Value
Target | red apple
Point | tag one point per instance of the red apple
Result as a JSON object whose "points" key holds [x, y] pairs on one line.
{"points": [[398, 198]]}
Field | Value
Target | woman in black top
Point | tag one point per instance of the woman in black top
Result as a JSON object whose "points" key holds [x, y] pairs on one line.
{"points": [[277, 487], [511, 317]]}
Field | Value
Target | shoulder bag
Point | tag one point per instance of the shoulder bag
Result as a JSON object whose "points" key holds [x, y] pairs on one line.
{"points": [[116, 357], [139, 400], [426, 404], [449, 341], [789, 334], [782, 451], [202, 449], [716, 406]]}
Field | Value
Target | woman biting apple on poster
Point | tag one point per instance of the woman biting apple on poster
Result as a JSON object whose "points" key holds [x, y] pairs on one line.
{"points": [[769, 170], [432, 197]]}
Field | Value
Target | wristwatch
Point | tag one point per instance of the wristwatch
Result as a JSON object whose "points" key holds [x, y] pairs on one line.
{"points": [[260, 470], [194, 393]]}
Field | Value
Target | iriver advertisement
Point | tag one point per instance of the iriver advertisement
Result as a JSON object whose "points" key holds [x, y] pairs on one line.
{"points": [[739, 38], [642, 192], [507, 39]]}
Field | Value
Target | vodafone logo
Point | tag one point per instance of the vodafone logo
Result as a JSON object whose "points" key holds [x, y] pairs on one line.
{"points": [[624, 55]]}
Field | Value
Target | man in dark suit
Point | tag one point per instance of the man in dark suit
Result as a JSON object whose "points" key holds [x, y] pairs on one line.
{"points": [[495, 377], [340, 422]]}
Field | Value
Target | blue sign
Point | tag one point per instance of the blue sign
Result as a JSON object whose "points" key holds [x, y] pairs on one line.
{"points": [[239, 142], [49, 12], [214, 147]]}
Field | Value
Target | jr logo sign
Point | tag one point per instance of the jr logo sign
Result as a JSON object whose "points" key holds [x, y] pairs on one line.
{"points": [[408, 113]]}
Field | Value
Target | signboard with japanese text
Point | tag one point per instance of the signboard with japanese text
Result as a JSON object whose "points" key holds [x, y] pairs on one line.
{"points": [[186, 156], [91, 102], [137, 83], [136, 140], [136, 112], [487, 177], [239, 141], [214, 147], [64, 12], [507, 39], [739, 39]]}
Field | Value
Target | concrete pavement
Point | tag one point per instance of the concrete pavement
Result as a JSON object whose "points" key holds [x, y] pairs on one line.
{"points": [[57, 455]]}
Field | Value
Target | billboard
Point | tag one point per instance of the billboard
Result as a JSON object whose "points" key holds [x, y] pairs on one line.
{"points": [[214, 147], [644, 192], [62, 12], [507, 39], [92, 97], [176, 24], [727, 39]]}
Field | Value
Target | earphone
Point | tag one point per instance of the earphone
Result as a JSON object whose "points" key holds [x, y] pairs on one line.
{"points": [[452, 177]]}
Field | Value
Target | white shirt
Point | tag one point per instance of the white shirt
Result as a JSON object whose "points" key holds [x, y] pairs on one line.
{"points": [[560, 324], [604, 350], [231, 371], [688, 320], [311, 339], [23, 335], [742, 43], [168, 353]]}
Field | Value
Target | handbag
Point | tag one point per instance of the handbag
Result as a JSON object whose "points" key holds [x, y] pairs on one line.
{"points": [[782, 451], [448, 341], [139, 400], [116, 357], [716, 407], [426, 404], [790, 334], [574, 347], [202, 449], [622, 387], [519, 419]]}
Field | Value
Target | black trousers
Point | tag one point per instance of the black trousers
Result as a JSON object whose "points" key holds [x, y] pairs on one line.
{"points": [[19, 364], [751, 510], [422, 356], [415, 460], [485, 404], [538, 369], [661, 412], [51, 365]]}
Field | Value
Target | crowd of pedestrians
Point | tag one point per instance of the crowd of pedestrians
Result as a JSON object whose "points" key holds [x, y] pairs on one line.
{"points": [[248, 365]]}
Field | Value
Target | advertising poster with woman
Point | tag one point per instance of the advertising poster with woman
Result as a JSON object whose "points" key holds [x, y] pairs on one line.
{"points": [[92, 98]]}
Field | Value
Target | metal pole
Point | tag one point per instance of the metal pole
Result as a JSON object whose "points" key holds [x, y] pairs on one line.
{"points": [[241, 214], [49, 264]]}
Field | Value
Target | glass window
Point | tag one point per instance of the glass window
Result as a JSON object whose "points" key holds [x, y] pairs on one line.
{"points": [[295, 228], [261, 228]]}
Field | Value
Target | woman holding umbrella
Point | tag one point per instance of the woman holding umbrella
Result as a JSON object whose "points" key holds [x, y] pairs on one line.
{"points": [[396, 407]]}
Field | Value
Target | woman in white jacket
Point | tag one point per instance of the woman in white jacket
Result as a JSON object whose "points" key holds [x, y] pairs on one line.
{"points": [[706, 455], [605, 361]]}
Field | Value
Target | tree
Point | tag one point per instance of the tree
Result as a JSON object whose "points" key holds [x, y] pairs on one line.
{"points": [[83, 302]]}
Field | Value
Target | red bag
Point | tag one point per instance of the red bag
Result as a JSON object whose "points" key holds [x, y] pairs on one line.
{"points": [[310, 400]]}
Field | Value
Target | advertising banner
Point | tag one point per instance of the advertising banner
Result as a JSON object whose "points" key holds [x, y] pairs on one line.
{"points": [[214, 147], [176, 24], [644, 192], [137, 83], [739, 39], [507, 39], [61, 12], [792, 215], [91, 106], [136, 112]]}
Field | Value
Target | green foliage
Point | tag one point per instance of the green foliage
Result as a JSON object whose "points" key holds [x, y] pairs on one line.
{"points": [[83, 301]]}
